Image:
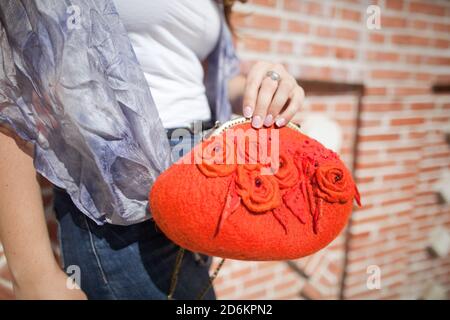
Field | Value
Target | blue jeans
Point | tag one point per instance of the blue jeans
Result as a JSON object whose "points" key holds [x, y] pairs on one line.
{"points": [[126, 262]]}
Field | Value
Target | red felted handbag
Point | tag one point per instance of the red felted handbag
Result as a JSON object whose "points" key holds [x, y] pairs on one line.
{"points": [[287, 200]]}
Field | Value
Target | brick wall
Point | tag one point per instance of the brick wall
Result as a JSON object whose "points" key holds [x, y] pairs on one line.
{"points": [[401, 152], [401, 143]]}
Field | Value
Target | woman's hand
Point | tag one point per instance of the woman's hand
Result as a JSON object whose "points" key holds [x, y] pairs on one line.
{"points": [[268, 101], [51, 285]]}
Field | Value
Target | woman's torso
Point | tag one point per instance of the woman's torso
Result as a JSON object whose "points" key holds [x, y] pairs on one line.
{"points": [[171, 39]]}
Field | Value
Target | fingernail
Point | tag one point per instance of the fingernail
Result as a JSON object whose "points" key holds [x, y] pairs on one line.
{"points": [[257, 122], [280, 122], [248, 112], [268, 121]]}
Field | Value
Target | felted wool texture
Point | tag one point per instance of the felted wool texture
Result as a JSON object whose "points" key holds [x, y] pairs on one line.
{"points": [[188, 202]]}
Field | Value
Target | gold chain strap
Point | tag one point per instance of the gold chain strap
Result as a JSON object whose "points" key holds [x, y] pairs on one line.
{"points": [[211, 279], [176, 272]]}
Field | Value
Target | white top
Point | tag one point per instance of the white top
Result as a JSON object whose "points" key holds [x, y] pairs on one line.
{"points": [[171, 38]]}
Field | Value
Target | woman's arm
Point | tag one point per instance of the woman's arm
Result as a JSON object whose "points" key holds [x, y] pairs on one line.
{"points": [[23, 229]]}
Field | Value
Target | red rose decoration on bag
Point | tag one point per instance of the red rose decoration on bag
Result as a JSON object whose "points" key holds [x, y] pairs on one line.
{"points": [[287, 173], [334, 184], [216, 158], [259, 193]]}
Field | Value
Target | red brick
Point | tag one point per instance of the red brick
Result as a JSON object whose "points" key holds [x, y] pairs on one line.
{"points": [[239, 20], [375, 91], [414, 58], [394, 4], [409, 91], [318, 107], [382, 56], [383, 107], [310, 292], [256, 44], [419, 24], [347, 34], [228, 291], [266, 3], [362, 153], [376, 37], [361, 236], [410, 40], [313, 8], [441, 78], [442, 27], [286, 285], [284, 47], [371, 165], [335, 268], [260, 294], [395, 228], [440, 119], [393, 22], [441, 43], [370, 123], [344, 53], [422, 106], [423, 76], [344, 107], [259, 280], [398, 176], [390, 74], [317, 50], [440, 61], [241, 272], [396, 201], [297, 26], [379, 137], [265, 22], [403, 149], [371, 220], [292, 5], [323, 31], [417, 135], [351, 15], [257, 21], [427, 8]]}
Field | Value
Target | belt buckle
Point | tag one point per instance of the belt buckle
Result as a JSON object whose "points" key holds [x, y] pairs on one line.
{"points": [[209, 132]]}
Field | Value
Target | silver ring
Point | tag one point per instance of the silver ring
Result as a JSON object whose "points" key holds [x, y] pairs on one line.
{"points": [[275, 76]]}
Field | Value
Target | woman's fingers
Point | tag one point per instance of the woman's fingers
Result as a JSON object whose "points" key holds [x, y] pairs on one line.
{"points": [[265, 95], [280, 99], [252, 85], [292, 108]]}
